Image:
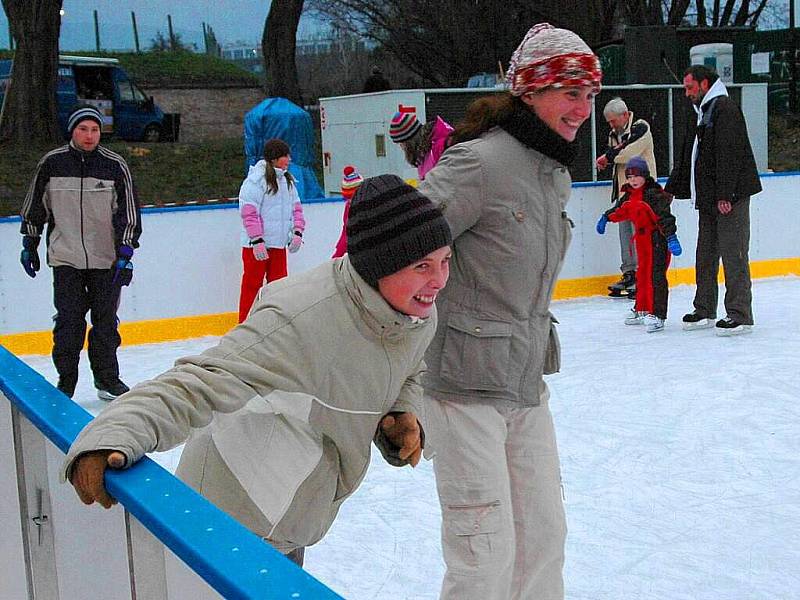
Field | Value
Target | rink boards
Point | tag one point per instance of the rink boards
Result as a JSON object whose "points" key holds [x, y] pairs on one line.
{"points": [[188, 268]]}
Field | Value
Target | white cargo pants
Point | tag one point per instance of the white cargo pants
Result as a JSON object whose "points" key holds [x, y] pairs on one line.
{"points": [[498, 478]]}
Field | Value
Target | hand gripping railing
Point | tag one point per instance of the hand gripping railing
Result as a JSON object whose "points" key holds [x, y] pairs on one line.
{"points": [[232, 560]]}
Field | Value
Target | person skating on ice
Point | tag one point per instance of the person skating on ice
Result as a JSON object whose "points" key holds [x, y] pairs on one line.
{"points": [[647, 207]]}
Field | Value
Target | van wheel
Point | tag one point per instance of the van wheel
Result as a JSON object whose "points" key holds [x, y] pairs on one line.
{"points": [[152, 133]]}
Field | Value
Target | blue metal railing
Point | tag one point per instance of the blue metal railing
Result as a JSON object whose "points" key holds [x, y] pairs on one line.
{"points": [[231, 559]]}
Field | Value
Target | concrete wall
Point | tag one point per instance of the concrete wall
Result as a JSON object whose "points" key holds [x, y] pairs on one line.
{"points": [[189, 262], [208, 113]]}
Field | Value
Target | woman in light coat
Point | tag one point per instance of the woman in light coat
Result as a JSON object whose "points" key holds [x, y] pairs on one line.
{"points": [[287, 404], [503, 187]]}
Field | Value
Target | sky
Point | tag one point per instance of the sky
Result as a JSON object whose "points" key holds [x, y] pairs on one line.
{"points": [[680, 457], [231, 20]]}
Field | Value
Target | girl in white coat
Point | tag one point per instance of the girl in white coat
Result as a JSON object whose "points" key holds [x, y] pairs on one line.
{"points": [[272, 219]]}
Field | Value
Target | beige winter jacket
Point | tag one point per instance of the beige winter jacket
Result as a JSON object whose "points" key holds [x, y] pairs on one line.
{"points": [[287, 403], [506, 206]]}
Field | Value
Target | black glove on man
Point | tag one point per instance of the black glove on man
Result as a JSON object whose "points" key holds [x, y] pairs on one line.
{"points": [[29, 257], [123, 267]]}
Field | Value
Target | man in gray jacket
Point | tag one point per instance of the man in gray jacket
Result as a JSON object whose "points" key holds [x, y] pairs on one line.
{"points": [[85, 196], [286, 405]]}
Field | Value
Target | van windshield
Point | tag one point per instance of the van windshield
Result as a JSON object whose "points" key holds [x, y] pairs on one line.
{"points": [[94, 83], [129, 92]]}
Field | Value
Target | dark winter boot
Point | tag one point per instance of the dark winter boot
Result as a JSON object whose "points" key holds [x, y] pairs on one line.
{"points": [[67, 383], [109, 390]]}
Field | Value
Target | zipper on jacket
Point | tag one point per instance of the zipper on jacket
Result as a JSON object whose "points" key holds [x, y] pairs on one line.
{"points": [[83, 239]]}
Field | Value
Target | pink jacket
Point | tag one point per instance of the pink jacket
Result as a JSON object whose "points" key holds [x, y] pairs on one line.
{"points": [[341, 245], [441, 131]]}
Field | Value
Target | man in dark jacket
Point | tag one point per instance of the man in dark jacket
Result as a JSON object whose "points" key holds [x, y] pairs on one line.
{"points": [[376, 82], [84, 193], [718, 171]]}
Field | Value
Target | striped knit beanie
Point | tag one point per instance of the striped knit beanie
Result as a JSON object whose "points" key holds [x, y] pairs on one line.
{"points": [[552, 57], [82, 113], [403, 127], [351, 179], [390, 226]]}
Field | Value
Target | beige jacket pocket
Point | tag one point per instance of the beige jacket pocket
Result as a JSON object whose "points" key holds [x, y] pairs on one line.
{"points": [[552, 356], [476, 352]]}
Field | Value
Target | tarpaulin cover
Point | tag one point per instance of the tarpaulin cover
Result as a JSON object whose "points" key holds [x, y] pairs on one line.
{"points": [[280, 118]]}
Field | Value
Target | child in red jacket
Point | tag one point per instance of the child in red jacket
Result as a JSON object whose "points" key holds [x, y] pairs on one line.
{"points": [[646, 205]]}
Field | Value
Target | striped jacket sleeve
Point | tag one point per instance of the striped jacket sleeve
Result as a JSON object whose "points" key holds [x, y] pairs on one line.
{"points": [[34, 212], [127, 220]]}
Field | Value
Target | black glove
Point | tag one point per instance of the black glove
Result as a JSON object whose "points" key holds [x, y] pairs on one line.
{"points": [[29, 257], [123, 267]]}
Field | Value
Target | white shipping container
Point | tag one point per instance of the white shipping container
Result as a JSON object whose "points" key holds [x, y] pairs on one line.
{"points": [[355, 129]]}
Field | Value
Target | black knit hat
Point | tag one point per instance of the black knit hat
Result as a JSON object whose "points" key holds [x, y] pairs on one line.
{"points": [[391, 225], [81, 113], [275, 148]]}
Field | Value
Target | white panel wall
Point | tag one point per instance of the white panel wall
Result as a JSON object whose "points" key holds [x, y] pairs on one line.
{"points": [[13, 582], [190, 264], [774, 228], [351, 124]]}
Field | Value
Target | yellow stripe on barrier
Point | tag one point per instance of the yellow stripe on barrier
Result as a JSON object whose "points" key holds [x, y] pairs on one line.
{"points": [[181, 328], [596, 286], [137, 332]]}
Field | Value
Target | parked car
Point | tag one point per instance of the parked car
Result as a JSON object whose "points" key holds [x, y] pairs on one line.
{"points": [[128, 113]]}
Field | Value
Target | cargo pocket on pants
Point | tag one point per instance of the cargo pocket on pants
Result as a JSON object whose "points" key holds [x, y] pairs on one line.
{"points": [[476, 353], [471, 532]]}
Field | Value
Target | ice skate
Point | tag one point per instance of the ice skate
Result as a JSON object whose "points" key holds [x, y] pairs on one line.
{"points": [[727, 326], [654, 324], [625, 287], [635, 317], [693, 320]]}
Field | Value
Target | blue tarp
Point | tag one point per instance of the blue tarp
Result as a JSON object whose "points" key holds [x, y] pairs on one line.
{"points": [[280, 118]]}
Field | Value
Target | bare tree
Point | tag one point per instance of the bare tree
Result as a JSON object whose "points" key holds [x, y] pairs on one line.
{"points": [[29, 114], [445, 42], [278, 46]]}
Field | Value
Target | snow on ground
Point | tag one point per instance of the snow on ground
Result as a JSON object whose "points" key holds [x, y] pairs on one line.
{"points": [[680, 457]]}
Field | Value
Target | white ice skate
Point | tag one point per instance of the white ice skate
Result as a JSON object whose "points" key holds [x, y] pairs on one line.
{"points": [[635, 318], [654, 324]]}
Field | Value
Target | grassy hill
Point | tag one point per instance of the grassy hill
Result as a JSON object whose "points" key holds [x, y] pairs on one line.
{"points": [[161, 172], [175, 69]]}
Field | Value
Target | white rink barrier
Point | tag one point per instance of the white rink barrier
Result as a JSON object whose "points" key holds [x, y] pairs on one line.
{"points": [[189, 262], [161, 542]]}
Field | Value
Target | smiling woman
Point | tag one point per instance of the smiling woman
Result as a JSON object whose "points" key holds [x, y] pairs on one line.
{"points": [[503, 187]]}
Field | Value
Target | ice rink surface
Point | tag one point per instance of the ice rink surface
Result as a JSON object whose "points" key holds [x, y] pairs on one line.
{"points": [[680, 455]]}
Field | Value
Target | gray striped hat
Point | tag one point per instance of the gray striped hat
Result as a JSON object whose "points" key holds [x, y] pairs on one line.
{"points": [[81, 114], [391, 225]]}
